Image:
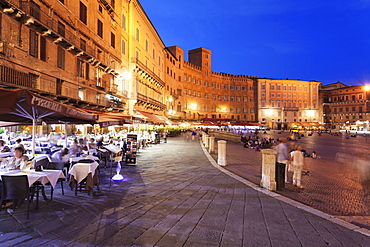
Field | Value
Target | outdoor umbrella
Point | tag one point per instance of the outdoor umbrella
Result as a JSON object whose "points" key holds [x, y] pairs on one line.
{"points": [[25, 107]]}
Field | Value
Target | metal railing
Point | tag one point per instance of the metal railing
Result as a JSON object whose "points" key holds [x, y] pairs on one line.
{"points": [[17, 78], [47, 21]]}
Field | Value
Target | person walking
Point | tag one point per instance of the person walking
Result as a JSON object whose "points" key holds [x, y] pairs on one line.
{"points": [[193, 134], [298, 161], [283, 156], [165, 136]]}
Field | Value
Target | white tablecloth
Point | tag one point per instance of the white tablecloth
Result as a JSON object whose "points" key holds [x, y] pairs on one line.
{"points": [[81, 170], [44, 177]]}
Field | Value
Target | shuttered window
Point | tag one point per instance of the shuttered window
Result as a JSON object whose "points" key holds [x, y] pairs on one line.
{"points": [[33, 44], [83, 13], [61, 58], [43, 48], [113, 40], [100, 28]]}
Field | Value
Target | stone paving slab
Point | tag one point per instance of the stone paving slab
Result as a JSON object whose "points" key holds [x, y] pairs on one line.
{"points": [[341, 195], [174, 196]]}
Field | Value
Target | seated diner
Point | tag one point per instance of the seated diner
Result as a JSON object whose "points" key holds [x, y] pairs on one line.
{"points": [[14, 163]]}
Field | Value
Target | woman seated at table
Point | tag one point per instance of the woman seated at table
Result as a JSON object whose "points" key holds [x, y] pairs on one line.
{"points": [[92, 148], [15, 162], [61, 156], [75, 149], [3, 147], [82, 144]]}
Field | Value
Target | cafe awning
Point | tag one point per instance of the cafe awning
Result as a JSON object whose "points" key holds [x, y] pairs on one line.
{"points": [[154, 118], [23, 106], [26, 108]]}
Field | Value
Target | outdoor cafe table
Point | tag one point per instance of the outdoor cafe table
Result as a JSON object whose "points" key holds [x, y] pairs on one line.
{"points": [[76, 159], [80, 171], [33, 176]]}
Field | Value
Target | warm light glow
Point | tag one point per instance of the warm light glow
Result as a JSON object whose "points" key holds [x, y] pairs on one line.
{"points": [[224, 109], [269, 112], [171, 112], [127, 75], [367, 88], [193, 106], [310, 113], [170, 99]]}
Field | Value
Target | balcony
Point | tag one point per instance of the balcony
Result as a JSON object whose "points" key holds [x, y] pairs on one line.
{"points": [[10, 3], [291, 109], [108, 7], [149, 102], [17, 78], [142, 68]]}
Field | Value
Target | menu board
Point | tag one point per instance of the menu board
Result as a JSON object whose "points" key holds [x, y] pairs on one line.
{"points": [[131, 148]]}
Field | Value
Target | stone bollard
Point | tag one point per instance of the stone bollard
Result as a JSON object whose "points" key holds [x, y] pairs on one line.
{"points": [[268, 180], [211, 146], [221, 153], [203, 136], [206, 140]]}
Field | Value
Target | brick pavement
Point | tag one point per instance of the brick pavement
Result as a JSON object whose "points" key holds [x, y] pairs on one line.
{"points": [[175, 196]]}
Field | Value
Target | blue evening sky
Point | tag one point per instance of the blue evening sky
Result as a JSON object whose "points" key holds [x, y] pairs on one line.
{"points": [[323, 40]]}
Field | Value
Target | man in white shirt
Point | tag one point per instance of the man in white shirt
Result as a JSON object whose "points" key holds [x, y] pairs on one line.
{"points": [[283, 155]]}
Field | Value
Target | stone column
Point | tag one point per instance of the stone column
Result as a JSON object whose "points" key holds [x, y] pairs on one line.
{"points": [[211, 146], [268, 180], [221, 153], [206, 140]]}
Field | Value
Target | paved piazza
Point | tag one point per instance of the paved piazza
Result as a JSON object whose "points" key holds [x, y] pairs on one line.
{"points": [[338, 182], [174, 196]]}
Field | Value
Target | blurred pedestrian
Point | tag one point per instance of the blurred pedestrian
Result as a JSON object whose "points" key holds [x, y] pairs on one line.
{"points": [[297, 158], [193, 134], [165, 137], [282, 156]]}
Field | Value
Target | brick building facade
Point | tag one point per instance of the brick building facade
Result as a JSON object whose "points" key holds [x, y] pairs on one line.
{"points": [[107, 56], [346, 107]]}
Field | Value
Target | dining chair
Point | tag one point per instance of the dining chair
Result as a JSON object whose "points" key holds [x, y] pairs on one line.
{"points": [[56, 166], [17, 189], [43, 161]]}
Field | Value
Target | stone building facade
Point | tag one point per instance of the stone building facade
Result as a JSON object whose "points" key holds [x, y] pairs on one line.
{"points": [[282, 102], [346, 107]]}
